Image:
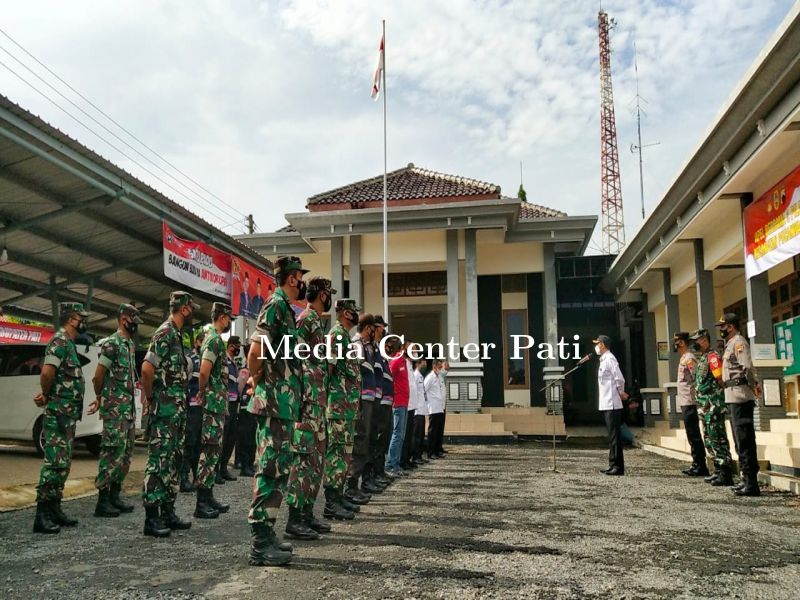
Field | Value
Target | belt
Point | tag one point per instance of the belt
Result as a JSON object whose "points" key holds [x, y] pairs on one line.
{"points": [[736, 381]]}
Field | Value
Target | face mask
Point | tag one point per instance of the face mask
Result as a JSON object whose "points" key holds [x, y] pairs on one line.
{"points": [[597, 349], [187, 319], [301, 290], [81, 327], [351, 316], [724, 333], [326, 305], [227, 328], [443, 372], [131, 328]]}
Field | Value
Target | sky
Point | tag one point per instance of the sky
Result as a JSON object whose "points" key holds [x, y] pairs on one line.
{"points": [[263, 104]]}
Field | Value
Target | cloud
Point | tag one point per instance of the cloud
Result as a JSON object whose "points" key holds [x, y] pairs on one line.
{"points": [[268, 103]]}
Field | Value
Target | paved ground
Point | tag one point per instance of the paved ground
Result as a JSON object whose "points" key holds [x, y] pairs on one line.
{"points": [[487, 522]]}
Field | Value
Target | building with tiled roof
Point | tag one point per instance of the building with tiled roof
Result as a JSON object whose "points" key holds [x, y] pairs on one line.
{"points": [[465, 263]]}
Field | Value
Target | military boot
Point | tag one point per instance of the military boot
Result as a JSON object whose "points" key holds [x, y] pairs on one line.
{"points": [[58, 516], [725, 477], [185, 485], [226, 474], [713, 477], [333, 509], [172, 520], [117, 501], [203, 510], [263, 550], [216, 504], [369, 486], [104, 507], [153, 525], [43, 522], [312, 522], [347, 505], [701, 470], [296, 528]]}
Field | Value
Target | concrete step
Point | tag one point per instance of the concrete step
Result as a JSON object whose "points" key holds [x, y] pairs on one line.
{"points": [[777, 438], [780, 481], [674, 443], [781, 456], [785, 426]]}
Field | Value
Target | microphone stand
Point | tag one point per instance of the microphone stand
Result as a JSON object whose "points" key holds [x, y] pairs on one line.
{"points": [[583, 360]]}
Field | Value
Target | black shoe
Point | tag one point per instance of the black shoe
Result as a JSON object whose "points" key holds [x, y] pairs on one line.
{"points": [[237, 465], [606, 470], [216, 504], [153, 525], [738, 486], [312, 522], [351, 506], [219, 479], [43, 522], [409, 466], [354, 496], [370, 487], [433, 457], [264, 551], [701, 471], [296, 528], [616, 471], [172, 520], [202, 509], [382, 480], [247, 472], [724, 478], [333, 507], [58, 517], [117, 501], [422, 460], [186, 485], [439, 455], [691, 471], [227, 475], [748, 490], [104, 507], [711, 478]]}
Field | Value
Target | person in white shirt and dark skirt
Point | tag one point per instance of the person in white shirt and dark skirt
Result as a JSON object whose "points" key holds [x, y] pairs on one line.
{"points": [[611, 393]]}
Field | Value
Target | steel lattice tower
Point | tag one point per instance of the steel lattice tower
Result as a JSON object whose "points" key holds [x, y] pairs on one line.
{"points": [[613, 228]]}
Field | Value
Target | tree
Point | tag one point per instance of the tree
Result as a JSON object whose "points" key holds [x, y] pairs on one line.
{"points": [[521, 194]]}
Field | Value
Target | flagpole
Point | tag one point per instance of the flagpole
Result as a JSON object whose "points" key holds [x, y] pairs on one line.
{"points": [[385, 213]]}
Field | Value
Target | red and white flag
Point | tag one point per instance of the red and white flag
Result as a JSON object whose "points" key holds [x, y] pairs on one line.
{"points": [[376, 79]]}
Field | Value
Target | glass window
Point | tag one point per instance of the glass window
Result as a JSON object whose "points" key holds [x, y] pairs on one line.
{"points": [[514, 283], [515, 322], [784, 293]]}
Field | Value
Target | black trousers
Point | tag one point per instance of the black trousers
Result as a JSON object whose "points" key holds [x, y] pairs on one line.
{"points": [[408, 441], [419, 436], [229, 434], [435, 433], [361, 441], [613, 419], [691, 422], [246, 438], [744, 436], [383, 436], [191, 442]]}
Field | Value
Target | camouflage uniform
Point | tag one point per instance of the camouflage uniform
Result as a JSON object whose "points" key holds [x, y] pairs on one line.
{"points": [[344, 391], [63, 409], [308, 442], [167, 412], [117, 410], [215, 407], [275, 404], [711, 400]]}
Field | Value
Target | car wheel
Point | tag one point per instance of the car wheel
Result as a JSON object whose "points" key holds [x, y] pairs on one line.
{"points": [[38, 436], [93, 444]]}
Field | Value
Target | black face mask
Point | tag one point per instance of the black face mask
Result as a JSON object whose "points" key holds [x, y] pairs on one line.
{"points": [[81, 327], [227, 328], [131, 328], [328, 303], [187, 320], [301, 290], [351, 316], [725, 333]]}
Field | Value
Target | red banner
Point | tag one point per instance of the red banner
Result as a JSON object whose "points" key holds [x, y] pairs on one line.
{"points": [[197, 265], [250, 288], [772, 226], [15, 333]]}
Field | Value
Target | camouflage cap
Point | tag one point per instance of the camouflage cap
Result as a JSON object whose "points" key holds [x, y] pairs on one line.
{"points": [[68, 308], [379, 321], [680, 335], [180, 298], [347, 304], [728, 319], [320, 284], [129, 310], [234, 340], [699, 333], [287, 264], [221, 308]]}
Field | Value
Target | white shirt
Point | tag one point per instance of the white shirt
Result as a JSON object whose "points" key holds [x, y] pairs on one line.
{"points": [[422, 404], [610, 382], [433, 388], [412, 386]]}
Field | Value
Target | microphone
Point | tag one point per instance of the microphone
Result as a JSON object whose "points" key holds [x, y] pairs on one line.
{"points": [[586, 358]]}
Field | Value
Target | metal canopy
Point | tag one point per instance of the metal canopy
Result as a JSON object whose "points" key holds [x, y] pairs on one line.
{"points": [[76, 227]]}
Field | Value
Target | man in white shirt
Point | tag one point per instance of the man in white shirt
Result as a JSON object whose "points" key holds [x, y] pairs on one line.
{"points": [[433, 392], [611, 393], [418, 447], [407, 462]]}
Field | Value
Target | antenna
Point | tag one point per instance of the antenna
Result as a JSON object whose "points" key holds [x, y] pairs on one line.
{"points": [[634, 148]]}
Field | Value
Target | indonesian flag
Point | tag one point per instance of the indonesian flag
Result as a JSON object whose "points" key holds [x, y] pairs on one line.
{"points": [[376, 79]]}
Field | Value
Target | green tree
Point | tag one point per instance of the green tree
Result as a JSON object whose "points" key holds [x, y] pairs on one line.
{"points": [[521, 194]]}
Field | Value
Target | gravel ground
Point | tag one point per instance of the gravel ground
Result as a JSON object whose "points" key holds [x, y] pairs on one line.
{"points": [[486, 522]]}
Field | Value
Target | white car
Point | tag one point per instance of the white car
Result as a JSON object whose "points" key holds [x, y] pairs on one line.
{"points": [[20, 418]]}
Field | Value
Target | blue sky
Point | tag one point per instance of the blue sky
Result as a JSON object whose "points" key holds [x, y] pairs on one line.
{"points": [[267, 103]]}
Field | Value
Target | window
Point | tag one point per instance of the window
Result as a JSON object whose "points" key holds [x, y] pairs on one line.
{"points": [[515, 370], [784, 291], [514, 283], [427, 283]]}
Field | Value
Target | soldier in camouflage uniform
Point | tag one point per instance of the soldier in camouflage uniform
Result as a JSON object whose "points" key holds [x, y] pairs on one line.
{"points": [[212, 395], [164, 377], [275, 403], [309, 432], [114, 385], [344, 391], [62, 392], [711, 403]]}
